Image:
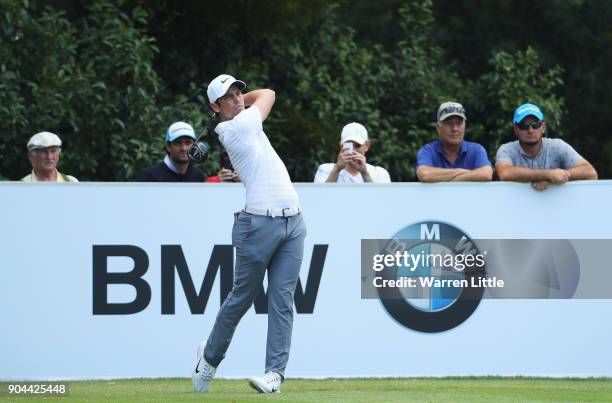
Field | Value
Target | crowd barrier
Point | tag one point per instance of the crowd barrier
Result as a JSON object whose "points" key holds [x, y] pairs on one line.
{"points": [[111, 280]]}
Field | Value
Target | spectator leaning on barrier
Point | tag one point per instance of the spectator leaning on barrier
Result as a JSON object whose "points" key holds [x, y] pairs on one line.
{"points": [[351, 165], [176, 166], [537, 159], [44, 151], [451, 158]]}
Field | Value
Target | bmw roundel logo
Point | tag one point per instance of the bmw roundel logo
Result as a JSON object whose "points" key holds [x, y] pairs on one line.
{"points": [[435, 310]]}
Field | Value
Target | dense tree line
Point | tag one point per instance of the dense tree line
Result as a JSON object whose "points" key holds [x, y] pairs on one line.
{"points": [[110, 76]]}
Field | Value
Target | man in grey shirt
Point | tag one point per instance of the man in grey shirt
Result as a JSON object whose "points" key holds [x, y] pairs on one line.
{"points": [[537, 159]]}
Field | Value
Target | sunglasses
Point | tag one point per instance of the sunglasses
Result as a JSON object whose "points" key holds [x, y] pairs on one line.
{"points": [[536, 124]]}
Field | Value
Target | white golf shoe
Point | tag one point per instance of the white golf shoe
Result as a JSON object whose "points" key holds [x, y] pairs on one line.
{"points": [[270, 382], [203, 373]]}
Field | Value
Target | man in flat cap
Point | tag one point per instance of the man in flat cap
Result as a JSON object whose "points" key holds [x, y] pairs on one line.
{"points": [[44, 150]]}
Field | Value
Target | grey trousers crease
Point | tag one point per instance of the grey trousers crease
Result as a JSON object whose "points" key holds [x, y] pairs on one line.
{"points": [[275, 244]]}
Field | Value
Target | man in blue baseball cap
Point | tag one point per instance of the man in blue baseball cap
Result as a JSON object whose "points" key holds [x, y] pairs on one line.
{"points": [[176, 166], [538, 159]]}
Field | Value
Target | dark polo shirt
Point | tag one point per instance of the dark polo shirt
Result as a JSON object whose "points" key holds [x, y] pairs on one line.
{"points": [[162, 173]]}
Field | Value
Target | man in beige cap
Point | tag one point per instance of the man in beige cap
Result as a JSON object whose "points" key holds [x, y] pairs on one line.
{"points": [[450, 158], [351, 166], [44, 150]]}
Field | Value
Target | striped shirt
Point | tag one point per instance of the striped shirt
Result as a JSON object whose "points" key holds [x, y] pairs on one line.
{"points": [[261, 170]]}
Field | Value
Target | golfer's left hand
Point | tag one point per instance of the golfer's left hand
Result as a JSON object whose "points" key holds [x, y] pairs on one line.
{"points": [[226, 175]]}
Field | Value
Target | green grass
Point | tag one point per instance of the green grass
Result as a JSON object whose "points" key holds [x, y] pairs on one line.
{"points": [[461, 389]]}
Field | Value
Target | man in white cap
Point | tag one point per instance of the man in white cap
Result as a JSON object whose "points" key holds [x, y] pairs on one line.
{"points": [[268, 234], [351, 165], [44, 151], [537, 159], [451, 158], [176, 166]]}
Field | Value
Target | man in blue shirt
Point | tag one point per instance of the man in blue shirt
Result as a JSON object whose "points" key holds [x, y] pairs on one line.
{"points": [[450, 158]]}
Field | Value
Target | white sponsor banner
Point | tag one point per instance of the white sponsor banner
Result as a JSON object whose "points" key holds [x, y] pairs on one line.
{"points": [[52, 328]]}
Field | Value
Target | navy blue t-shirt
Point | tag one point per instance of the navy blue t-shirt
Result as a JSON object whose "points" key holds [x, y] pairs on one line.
{"points": [[471, 156]]}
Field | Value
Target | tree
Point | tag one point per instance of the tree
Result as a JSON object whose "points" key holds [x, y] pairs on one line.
{"points": [[113, 75], [91, 81], [573, 34], [514, 80]]}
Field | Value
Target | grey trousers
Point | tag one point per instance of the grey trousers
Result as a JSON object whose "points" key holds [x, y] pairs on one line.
{"points": [[261, 242]]}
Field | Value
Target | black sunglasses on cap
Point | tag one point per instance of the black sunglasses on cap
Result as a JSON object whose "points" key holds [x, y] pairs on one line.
{"points": [[536, 124]]}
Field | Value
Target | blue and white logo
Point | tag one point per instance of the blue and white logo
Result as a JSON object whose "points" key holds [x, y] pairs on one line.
{"points": [[433, 309]]}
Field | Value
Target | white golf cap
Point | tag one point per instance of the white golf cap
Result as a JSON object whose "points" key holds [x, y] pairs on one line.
{"points": [[448, 109], [219, 86], [179, 129], [354, 132], [44, 140]]}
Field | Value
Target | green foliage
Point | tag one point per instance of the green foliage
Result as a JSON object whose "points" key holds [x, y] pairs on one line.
{"points": [[576, 35], [91, 81], [109, 78], [416, 84], [326, 79], [515, 79]]}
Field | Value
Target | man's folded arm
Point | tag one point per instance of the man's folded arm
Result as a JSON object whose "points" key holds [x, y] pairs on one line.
{"points": [[582, 170], [508, 172], [428, 174], [482, 174]]}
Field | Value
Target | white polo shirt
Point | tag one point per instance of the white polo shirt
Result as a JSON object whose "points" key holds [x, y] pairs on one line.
{"points": [[378, 174], [261, 170]]}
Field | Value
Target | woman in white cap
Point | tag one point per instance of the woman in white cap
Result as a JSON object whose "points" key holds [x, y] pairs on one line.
{"points": [[44, 150]]}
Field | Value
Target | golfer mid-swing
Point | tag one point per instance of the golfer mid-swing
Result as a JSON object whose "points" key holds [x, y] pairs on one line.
{"points": [[268, 234]]}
